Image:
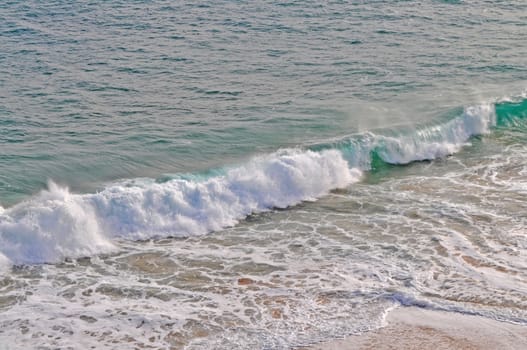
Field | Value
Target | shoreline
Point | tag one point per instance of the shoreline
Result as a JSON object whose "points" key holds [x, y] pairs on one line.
{"points": [[411, 328]]}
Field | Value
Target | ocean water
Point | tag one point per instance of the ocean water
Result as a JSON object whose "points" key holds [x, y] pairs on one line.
{"points": [[257, 175]]}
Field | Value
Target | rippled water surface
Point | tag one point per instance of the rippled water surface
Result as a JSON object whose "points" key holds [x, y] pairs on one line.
{"points": [[239, 175]]}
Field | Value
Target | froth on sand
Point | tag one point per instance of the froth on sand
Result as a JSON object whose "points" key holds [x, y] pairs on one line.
{"points": [[419, 329]]}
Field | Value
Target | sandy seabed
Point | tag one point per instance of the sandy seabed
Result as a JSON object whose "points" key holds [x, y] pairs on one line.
{"points": [[418, 329]]}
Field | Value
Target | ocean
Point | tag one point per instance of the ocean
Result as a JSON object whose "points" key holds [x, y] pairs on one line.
{"points": [[257, 174]]}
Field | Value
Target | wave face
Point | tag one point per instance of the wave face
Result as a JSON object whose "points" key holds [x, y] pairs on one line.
{"points": [[423, 143], [57, 224]]}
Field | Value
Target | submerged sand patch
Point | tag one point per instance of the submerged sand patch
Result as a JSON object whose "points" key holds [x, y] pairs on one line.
{"points": [[420, 329]]}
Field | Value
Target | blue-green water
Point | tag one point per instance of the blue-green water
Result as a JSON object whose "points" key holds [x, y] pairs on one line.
{"points": [[97, 91], [391, 132]]}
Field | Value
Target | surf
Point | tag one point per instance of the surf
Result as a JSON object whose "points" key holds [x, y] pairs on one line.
{"points": [[57, 224]]}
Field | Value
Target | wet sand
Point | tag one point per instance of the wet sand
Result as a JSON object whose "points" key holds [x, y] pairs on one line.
{"points": [[418, 329]]}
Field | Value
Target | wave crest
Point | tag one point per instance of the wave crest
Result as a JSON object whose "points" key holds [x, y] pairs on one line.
{"points": [[57, 224]]}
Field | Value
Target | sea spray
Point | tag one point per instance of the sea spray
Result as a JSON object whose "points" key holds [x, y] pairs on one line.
{"points": [[437, 141], [58, 224], [416, 143], [184, 207], [50, 227]]}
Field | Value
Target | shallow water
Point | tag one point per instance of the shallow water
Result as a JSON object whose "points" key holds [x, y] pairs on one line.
{"points": [[257, 176]]}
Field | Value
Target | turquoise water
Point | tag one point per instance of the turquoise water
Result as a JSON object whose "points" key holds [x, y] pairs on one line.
{"points": [[257, 175], [98, 91]]}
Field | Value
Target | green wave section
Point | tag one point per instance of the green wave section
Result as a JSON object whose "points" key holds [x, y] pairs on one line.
{"points": [[383, 149], [511, 114]]}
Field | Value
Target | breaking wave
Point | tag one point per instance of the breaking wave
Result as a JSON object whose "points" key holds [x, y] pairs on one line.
{"points": [[57, 224]]}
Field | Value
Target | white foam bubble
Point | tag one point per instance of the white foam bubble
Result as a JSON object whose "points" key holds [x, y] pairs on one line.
{"points": [[57, 224]]}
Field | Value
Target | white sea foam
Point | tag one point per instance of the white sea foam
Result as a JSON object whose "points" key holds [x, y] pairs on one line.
{"points": [[4, 263], [57, 224], [438, 141], [184, 207], [50, 227]]}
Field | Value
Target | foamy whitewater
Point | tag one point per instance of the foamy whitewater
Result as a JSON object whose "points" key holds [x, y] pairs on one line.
{"points": [[57, 224], [257, 175]]}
